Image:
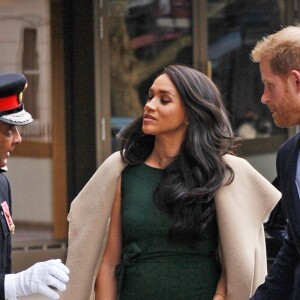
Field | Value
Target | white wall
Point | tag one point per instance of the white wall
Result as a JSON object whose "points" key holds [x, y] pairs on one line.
{"points": [[31, 184], [30, 178], [15, 16]]}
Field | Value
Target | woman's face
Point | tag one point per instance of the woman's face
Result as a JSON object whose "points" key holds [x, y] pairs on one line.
{"points": [[164, 113]]}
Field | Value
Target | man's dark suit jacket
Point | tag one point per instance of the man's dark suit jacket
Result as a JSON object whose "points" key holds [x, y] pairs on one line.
{"points": [[5, 235], [283, 280]]}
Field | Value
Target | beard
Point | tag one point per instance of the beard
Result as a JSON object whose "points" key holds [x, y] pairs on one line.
{"points": [[287, 114]]}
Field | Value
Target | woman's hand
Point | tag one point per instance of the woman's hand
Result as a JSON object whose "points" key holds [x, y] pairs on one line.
{"points": [[219, 296], [221, 289]]}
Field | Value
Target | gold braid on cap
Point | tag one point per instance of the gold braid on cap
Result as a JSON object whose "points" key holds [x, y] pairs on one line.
{"points": [[20, 96]]}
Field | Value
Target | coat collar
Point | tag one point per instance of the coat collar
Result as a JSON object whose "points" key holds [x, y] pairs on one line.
{"points": [[241, 209]]}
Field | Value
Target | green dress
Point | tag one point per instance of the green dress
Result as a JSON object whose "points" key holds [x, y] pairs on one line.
{"points": [[153, 267]]}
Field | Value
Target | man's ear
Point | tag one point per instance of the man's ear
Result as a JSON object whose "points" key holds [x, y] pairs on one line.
{"points": [[296, 80]]}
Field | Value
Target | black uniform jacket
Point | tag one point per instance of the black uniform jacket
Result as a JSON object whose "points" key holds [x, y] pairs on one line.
{"points": [[5, 235]]}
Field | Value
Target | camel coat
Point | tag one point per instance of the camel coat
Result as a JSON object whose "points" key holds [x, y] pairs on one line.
{"points": [[241, 208]]}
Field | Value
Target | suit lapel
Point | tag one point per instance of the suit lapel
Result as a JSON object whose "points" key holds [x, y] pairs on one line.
{"points": [[289, 189]]}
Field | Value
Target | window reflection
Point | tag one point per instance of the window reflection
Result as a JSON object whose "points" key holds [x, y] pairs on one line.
{"points": [[151, 25], [145, 36], [234, 29]]}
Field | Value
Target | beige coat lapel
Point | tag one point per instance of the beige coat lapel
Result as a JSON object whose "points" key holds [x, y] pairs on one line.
{"points": [[241, 208], [88, 219]]}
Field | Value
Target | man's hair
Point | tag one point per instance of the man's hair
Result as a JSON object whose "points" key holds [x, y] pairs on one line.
{"points": [[281, 48]]}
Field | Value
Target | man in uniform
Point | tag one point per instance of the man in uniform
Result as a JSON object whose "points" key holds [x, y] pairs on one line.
{"points": [[42, 275]]}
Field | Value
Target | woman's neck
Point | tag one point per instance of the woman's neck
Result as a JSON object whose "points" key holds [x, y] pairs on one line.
{"points": [[162, 154]]}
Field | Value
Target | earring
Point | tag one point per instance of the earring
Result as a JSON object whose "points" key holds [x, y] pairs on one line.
{"points": [[186, 123]]}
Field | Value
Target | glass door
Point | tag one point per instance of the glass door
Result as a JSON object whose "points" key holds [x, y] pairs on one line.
{"points": [[234, 27], [144, 36]]}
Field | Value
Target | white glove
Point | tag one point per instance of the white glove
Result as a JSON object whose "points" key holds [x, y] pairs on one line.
{"points": [[41, 278]]}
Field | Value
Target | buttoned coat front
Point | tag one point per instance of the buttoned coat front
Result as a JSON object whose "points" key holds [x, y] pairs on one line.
{"points": [[5, 235], [241, 208], [283, 280]]}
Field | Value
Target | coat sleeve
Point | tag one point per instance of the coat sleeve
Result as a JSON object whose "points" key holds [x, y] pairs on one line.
{"points": [[2, 292], [8, 259], [279, 282], [88, 221], [242, 206], [5, 235]]}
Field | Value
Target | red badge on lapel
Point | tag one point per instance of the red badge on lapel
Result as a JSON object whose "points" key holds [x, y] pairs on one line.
{"points": [[8, 217]]}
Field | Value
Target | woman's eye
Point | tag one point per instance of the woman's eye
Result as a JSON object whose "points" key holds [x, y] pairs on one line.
{"points": [[164, 100]]}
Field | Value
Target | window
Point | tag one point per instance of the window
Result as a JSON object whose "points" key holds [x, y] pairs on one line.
{"points": [[30, 69], [144, 37], [234, 27], [25, 48], [37, 95]]}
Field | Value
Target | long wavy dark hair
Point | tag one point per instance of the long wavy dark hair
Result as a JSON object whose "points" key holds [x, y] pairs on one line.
{"points": [[197, 172]]}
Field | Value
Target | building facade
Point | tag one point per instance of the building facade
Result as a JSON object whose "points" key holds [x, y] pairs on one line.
{"points": [[90, 64]]}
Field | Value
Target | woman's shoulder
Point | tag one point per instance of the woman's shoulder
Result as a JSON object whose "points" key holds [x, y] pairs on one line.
{"points": [[111, 166], [242, 168], [114, 159], [236, 161]]}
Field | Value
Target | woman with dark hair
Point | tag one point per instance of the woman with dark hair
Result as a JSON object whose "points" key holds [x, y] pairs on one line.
{"points": [[186, 216]]}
